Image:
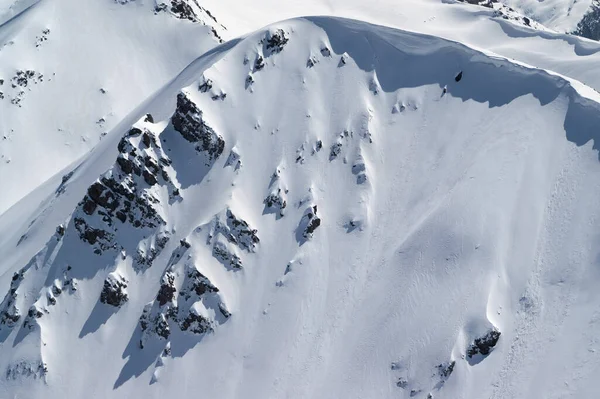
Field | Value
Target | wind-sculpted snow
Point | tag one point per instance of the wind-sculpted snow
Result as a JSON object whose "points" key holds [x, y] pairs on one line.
{"points": [[376, 213]]}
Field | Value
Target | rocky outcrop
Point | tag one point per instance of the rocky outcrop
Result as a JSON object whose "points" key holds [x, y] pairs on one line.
{"points": [[114, 291], [276, 202], [124, 196], [589, 26], [27, 369], [186, 300], [275, 41], [485, 344], [226, 256], [308, 224], [236, 231], [188, 121], [9, 312]]}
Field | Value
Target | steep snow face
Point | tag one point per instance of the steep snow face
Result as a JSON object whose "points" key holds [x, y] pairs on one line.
{"points": [[71, 70], [325, 208]]}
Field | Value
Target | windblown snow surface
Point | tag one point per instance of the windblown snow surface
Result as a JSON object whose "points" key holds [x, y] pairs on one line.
{"points": [[322, 209]]}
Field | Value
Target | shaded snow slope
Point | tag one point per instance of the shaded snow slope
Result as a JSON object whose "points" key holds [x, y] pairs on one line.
{"points": [[324, 208], [71, 70]]}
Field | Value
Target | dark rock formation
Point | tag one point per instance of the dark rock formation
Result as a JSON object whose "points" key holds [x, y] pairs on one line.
{"points": [[188, 121], [225, 256], [275, 202], [275, 41], [114, 290], [484, 344], [589, 26], [446, 369]]}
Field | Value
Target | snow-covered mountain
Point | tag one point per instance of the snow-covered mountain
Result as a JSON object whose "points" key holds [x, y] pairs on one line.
{"points": [[198, 205], [71, 70], [322, 208]]}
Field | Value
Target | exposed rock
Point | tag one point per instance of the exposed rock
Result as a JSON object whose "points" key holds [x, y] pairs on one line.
{"points": [[9, 313], [275, 202], [259, 64], [195, 283], [458, 77], [236, 231], [167, 289], [234, 159], [206, 86], [309, 222], [33, 314], [196, 323], [188, 121], [446, 369], [589, 26], [187, 311], [225, 256], [114, 291], [25, 369], [485, 344], [335, 150], [276, 41]]}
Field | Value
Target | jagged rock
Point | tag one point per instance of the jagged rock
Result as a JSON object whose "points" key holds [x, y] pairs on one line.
{"points": [[187, 311], [196, 323], [187, 120], [234, 159], [33, 314], [311, 62], [167, 289], [244, 236], [485, 344], [259, 64], [234, 230], [196, 283], [114, 291], [145, 256], [343, 60], [60, 230], [309, 222], [25, 369], [225, 256], [156, 325], [335, 150], [224, 311], [589, 26], [446, 369], [123, 194], [325, 52], [276, 41], [9, 313], [318, 145], [275, 202], [206, 86]]}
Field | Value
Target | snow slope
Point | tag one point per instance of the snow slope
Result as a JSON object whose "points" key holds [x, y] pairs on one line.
{"points": [[476, 26], [323, 208], [71, 70]]}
